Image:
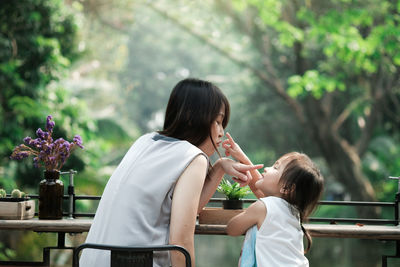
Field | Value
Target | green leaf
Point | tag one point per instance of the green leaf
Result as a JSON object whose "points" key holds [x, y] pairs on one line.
{"points": [[26, 107], [233, 190], [239, 5], [396, 60], [35, 16]]}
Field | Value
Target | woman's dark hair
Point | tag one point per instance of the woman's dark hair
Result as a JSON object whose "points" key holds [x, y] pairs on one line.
{"points": [[303, 184], [192, 107]]}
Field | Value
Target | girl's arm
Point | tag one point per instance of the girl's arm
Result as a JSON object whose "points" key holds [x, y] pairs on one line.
{"points": [[234, 150], [254, 214], [185, 202], [222, 166]]}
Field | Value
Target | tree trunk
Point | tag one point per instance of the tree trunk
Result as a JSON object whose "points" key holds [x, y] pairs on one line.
{"points": [[341, 158]]}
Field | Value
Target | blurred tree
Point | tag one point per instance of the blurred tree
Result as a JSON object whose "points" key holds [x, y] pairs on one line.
{"points": [[37, 42], [37, 45], [334, 64]]}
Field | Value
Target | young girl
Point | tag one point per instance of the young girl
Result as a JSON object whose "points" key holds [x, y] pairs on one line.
{"points": [[288, 192]]}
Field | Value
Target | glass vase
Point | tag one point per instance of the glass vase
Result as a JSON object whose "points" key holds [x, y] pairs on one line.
{"points": [[51, 192]]}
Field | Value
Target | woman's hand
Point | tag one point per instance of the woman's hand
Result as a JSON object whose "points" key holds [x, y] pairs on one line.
{"points": [[240, 172], [234, 150]]}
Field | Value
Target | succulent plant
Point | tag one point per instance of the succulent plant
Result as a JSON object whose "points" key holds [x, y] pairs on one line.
{"points": [[16, 193], [3, 193]]}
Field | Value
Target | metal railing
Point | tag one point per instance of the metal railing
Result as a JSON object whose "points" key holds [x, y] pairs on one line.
{"points": [[72, 199]]}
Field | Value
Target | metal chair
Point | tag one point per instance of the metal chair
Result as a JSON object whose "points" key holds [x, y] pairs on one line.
{"points": [[130, 256]]}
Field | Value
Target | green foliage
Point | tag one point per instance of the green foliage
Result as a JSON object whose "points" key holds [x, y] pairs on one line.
{"points": [[233, 190], [354, 41], [381, 161], [313, 82], [3, 193], [339, 40], [30, 247], [6, 253], [37, 43]]}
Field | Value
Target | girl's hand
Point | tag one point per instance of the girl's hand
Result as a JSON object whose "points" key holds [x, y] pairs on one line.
{"points": [[240, 172], [233, 149]]}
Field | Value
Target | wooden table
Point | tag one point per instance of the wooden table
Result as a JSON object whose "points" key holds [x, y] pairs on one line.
{"points": [[316, 230], [61, 227]]}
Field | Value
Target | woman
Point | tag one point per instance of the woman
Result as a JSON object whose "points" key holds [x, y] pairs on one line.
{"points": [[164, 180]]}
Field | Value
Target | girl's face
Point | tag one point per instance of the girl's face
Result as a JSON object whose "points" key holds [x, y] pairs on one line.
{"points": [[217, 132], [269, 183]]}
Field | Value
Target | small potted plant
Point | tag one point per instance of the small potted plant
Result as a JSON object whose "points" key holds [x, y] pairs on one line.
{"points": [[232, 206], [233, 193], [17, 206]]}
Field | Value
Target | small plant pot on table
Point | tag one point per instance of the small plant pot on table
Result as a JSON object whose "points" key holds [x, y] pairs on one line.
{"points": [[232, 206], [16, 207]]}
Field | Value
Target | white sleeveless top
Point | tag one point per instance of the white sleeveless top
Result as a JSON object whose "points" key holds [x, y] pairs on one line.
{"points": [[279, 240], [135, 207]]}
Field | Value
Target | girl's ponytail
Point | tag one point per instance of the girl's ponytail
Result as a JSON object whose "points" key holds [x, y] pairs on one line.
{"points": [[309, 239]]}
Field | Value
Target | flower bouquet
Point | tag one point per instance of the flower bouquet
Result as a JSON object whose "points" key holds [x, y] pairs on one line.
{"points": [[50, 154], [47, 152]]}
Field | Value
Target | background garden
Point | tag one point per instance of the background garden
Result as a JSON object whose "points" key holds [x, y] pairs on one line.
{"points": [[322, 77]]}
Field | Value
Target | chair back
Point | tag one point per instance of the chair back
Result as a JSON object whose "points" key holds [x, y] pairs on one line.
{"points": [[123, 256]]}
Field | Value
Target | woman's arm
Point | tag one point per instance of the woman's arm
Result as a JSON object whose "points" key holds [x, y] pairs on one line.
{"points": [[222, 166], [234, 150], [185, 202], [254, 214]]}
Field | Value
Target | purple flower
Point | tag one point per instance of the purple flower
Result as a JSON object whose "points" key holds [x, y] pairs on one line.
{"points": [[66, 145], [20, 155], [78, 141], [49, 148], [50, 124], [27, 140], [40, 134], [35, 143], [59, 141], [48, 153]]}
